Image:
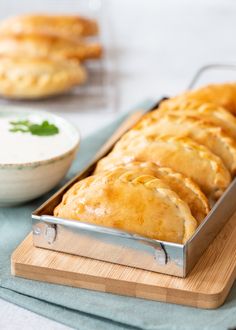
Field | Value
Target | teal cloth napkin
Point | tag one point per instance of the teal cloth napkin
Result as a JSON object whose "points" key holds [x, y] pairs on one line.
{"points": [[84, 309]]}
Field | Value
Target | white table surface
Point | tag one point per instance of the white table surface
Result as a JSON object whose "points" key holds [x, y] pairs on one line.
{"points": [[159, 46]]}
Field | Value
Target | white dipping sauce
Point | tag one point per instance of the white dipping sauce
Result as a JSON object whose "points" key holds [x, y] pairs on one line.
{"points": [[18, 147]]}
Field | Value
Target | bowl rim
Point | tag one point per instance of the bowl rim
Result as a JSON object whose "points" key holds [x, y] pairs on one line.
{"points": [[33, 164]]}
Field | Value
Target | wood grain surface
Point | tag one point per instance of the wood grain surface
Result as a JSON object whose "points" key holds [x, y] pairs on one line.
{"points": [[207, 286]]}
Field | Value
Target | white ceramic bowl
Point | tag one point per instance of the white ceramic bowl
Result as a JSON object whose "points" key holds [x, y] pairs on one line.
{"points": [[21, 182]]}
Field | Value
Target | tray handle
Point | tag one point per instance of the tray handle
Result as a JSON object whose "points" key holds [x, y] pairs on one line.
{"points": [[208, 67]]}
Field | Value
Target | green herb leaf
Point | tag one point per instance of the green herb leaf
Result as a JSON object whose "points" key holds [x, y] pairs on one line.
{"points": [[19, 129], [20, 122], [25, 126], [44, 129]]}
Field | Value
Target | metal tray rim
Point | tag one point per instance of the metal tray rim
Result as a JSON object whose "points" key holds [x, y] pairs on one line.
{"points": [[114, 231], [212, 211], [100, 228]]}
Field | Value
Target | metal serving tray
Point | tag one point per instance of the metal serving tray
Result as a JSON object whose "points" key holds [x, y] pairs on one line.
{"points": [[121, 247]]}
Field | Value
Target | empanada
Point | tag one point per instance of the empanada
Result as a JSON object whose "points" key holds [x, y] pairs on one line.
{"points": [[25, 78], [209, 112], [223, 95], [29, 45], [61, 25], [127, 200], [202, 132], [181, 154], [184, 187]]}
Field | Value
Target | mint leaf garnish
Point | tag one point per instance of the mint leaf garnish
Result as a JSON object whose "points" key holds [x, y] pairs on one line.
{"points": [[19, 129], [25, 126], [20, 122], [43, 129]]}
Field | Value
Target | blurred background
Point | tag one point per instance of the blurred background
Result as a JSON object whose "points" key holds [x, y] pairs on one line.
{"points": [[153, 48]]}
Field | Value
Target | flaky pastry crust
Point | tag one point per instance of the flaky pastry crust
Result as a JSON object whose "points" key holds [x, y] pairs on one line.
{"points": [[184, 187], [33, 45], [223, 95], [181, 154], [61, 25], [209, 135], [208, 112], [151, 209], [28, 78]]}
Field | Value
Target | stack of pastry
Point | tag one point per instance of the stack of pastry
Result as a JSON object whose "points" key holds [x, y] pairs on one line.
{"points": [[41, 55], [162, 176]]}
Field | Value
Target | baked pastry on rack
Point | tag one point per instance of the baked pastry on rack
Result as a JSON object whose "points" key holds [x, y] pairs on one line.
{"points": [[34, 78], [36, 45], [151, 209], [181, 154], [38, 54], [198, 130], [60, 25], [184, 187]]}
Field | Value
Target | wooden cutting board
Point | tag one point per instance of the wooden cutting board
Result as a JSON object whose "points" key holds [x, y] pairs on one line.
{"points": [[207, 286]]}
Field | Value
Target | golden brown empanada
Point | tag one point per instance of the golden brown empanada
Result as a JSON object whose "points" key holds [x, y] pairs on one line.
{"points": [[127, 200], [202, 132], [223, 95], [209, 112], [181, 154], [29, 45], [184, 187], [61, 25], [25, 78]]}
